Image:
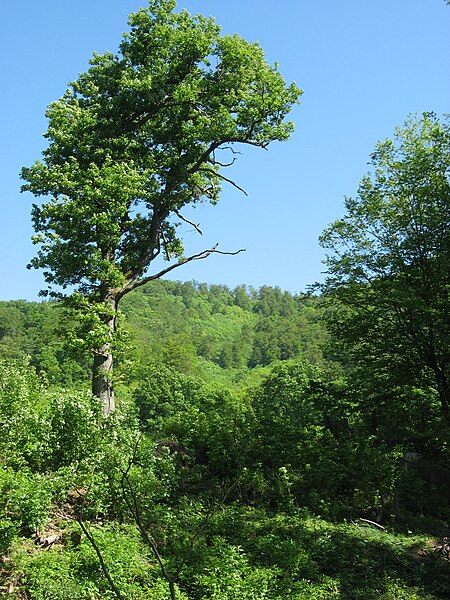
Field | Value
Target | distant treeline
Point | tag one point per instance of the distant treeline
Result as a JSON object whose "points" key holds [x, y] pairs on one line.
{"points": [[191, 326]]}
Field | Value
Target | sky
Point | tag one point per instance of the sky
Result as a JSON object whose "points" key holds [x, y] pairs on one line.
{"points": [[363, 66]]}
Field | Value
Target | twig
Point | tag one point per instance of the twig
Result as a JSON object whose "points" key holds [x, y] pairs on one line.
{"points": [[103, 566], [217, 174], [189, 222], [372, 523]]}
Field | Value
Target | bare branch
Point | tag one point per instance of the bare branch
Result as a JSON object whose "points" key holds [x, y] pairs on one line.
{"points": [[189, 222], [199, 530], [215, 173], [133, 507], [213, 161], [219, 145], [133, 455], [200, 256], [233, 151], [204, 157], [372, 523], [134, 510], [192, 542], [90, 537]]}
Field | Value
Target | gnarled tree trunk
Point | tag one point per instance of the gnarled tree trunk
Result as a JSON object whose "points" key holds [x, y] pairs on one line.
{"points": [[102, 374], [102, 384]]}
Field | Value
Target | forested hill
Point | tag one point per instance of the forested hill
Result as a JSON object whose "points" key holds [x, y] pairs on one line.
{"points": [[210, 330]]}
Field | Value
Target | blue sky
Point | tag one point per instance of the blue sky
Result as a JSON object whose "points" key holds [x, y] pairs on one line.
{"points": [[363, 65]]}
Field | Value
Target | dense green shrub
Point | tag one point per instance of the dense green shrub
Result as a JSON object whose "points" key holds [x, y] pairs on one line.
{"points": [[204, 425], [25, 499], [225, 471], [73, 421], [227, 575], [24, 416], [44, 428]]}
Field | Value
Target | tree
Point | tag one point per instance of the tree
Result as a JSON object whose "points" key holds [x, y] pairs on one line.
{"points": [[389, 269], [133, 141]]}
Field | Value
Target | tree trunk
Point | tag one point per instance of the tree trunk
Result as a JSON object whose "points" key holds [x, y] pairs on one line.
{"points": [[102, 384], [102, 373], [444, 393], [442, 384]]}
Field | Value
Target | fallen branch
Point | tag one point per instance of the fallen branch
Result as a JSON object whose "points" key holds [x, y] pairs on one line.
{"points": [[372, 523]]}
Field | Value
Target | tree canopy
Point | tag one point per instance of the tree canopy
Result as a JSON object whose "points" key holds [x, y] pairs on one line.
{"points": [[139, 136], [389, 265]]}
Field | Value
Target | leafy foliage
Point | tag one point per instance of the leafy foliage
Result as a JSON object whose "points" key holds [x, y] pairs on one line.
{"points": [[219, 480], [213, 331], [389, 267]]}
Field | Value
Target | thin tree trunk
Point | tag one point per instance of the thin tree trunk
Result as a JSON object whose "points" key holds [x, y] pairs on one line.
{"points": [[444, 393], [442, 384]]}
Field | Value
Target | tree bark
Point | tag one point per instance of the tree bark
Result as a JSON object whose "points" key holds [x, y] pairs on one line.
{"points": [[102, 373], [102, 384]]}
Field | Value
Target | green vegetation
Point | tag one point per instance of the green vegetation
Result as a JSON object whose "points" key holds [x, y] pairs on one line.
{"points": [[224, 335], [246, 480], [389, 275], [265, 445]]}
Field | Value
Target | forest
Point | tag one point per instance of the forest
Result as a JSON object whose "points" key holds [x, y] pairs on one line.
{"points": [[169, 440]]}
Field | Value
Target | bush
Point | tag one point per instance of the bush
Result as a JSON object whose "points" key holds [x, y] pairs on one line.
{"points": [[208, 426], [74, 425], [42, 429], [227, 575], [25, 500], [24, 416]]}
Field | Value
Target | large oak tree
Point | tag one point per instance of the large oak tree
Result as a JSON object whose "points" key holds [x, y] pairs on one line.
{"points": [[134, 140]]}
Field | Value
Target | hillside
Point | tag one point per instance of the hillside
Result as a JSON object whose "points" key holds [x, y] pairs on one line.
{"points": [[213, 331], [243, 461]]}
